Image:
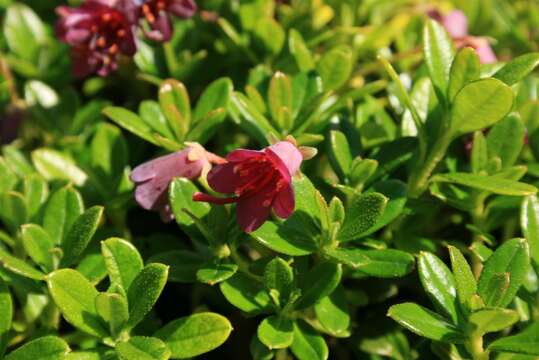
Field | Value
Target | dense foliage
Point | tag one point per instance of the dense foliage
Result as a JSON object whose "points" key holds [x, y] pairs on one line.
{"points": [[310, 179]]}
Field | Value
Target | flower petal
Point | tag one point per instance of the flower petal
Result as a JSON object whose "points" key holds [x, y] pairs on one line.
{"points": [[284, 202], [289, 155], [251, 213], [183, 8], [456, 24], [243, 154], [223, 179]]}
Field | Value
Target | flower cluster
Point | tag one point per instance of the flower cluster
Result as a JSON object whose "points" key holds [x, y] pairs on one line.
{"points": [[98, 31]]}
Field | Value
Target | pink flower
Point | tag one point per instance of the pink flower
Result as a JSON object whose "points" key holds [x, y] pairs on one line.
{"points": [[456, 24], [97, 31], [260, 180], [158, 12], [153, 177]]}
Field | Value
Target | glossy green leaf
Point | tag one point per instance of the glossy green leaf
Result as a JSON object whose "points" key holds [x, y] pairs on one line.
{"points": [[511, 257], [276, 332], [250, 118], [299, 50], [529, 221], [19, 266], [425, 323], [480, 104], [174, 101], [492, 320], [279, 280], [144, 291], [308, 344], [245, 293], [525, 342], [318, 283], [122, 260], [181, 192], [110, 155], [13, 209], [479, 156], [38, 245], [396, 193], [43, 348], [335, 67], [113, 309], [333, 313], [24, 32], [36, 191], [506, 139], [280, 100], [183, 264], [215, 96], [61, 211], [194, 335], [439, 53], [6, 316], [216, 270], [491, 184], [464, 279], [150, 113], [517, 69], [495, 289], [80, 234], [465, 68], [270, 33], [339, 154], [53, 165], [93, 267], [362, 214], [130, 122], [439, 284], [142, 348], [384, 263], [75, 296]]}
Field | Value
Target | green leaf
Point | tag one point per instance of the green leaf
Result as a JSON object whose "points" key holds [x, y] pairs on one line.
{"points": [[438, 283], [144, 292], [279, 278], [396, 192], [13, 209], [130, 122], [24, 32], [505, 139], [270, 33], [464, 278], [195, 334], [18, 266], [480, 104], [174, 101], [80, 234], [299, 50], [183, 264], [143, 348], [385, 263], [181, 192], [216, 270], [61, 211], [245, 293], [363, 213], [438, 51], [425, 323], [110, 155], [75, 296], [492, 320], [518, 68], [529, 221], [43, 348], [495, 289], [280, 100], [525, 342], [511, 257], [215, 96], [318, 282], [54, 165], [93, 267], [335, 67], [307, 344], [260, 351], [339, 154], [113, 309], [491, 184], [38, 245], [479, 156], [250, 118], [36, 191], [333, 313], [150, 112], [276, 332], [6, 315], [465, 68], [123, 261]]}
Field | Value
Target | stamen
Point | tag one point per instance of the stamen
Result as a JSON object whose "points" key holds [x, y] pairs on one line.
{"points": [[113, 49], [106, 17], [101, 42], [120, 33]]}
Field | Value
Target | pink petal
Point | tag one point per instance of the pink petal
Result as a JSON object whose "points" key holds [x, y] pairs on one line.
{"points": [[173, 165], [161, 28], [456, 24], [486, 55], [242, 154], [289, 155], [223, 179], [284, 202], [183, 8], [251, 213]]}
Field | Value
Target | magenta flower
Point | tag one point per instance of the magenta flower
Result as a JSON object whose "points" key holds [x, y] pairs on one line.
{"points": [[153, 177], [260, 180], [97, 31], [456, 24], [158, 16]]}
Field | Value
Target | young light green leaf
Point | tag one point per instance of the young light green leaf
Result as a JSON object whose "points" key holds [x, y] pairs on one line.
{"points": [[13, 209], [529, 221], [80, 234], [506, 139], [181, 192], [150, 113], [439, 284], [215, 96], [335, 67], [363, 213], [339, 154], [308, 344], [385, 263], [465, 68], [113, 309], [6, 315], [216, 270], [123, 261], [280, 100], [246, 294], [61, 211], [333, 313], [318, 283], [518, 68], [174, 101], [525, 342], [195, 334], [38, 244], [75, 297], [479, 156], [130, 122], [464, 278], [425, 323], [299, 50], [54, 165], [19, 266], [492, 320], [144, 292], [491, 184], [110, 156], [511, 257], [43, 348], [143, 348], [93, 267], [276, 332], [480, 104], [438, 51], [24, 32], [36, 191], [279, 278]]}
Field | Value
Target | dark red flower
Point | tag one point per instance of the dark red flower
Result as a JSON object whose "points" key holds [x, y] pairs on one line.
{"points": [[260, 180], [153, 177], [97, 31], [157, 14]]}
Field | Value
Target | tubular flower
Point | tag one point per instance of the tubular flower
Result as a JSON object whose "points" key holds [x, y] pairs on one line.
{"points": [[157, 14], [153, 177], [260, 180], [456, 24], [97, 31]]}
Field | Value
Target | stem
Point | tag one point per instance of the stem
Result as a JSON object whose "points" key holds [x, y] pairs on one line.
{"points": [[475, 347], [419, 179], [170, 58]]}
